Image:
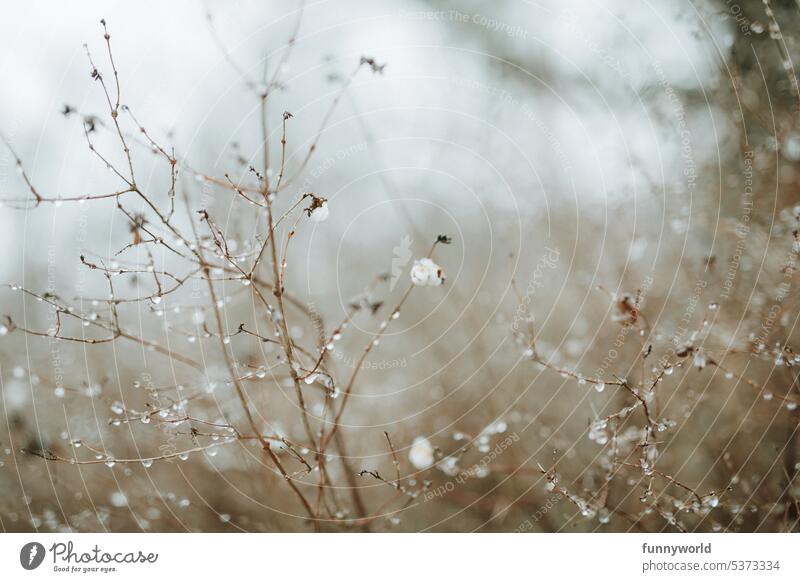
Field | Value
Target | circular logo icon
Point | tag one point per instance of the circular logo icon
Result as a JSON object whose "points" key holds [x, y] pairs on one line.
{"points": [[31, 555]]}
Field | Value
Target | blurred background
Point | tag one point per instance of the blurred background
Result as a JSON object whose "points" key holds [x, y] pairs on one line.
{"points": [[611, 350]]}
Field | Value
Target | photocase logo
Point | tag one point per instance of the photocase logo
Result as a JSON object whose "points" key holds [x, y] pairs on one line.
{"points": [[401, 258], [31, 555]]}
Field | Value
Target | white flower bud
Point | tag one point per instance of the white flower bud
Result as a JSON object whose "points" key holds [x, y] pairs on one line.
{"points": [[320, 213], [426, 272], [421, 453]]}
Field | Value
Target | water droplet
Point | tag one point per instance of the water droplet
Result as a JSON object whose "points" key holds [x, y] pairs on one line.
{"points": [[110, 462], [600, 386], [700, 360], [603, 515], [147, 463]]}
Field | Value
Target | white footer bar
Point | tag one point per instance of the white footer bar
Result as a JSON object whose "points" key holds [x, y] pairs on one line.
{"points": [[390, 557]]}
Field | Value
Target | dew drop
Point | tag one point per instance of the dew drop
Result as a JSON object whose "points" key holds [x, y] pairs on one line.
{"points": [[603, 515]]}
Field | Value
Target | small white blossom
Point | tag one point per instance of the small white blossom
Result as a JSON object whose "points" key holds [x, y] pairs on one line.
{"points": [[320, 213], [426, 272], [421, 453], [119, 499], [449, 466]]}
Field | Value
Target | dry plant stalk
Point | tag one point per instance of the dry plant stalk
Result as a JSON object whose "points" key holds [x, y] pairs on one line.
{"points": [[624, 482]]}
